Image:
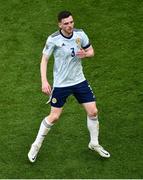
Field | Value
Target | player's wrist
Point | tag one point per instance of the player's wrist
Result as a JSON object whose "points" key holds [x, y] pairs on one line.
{"points": [[44, 81]]}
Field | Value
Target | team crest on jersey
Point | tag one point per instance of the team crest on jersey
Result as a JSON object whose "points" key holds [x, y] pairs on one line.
{"points": [[78, 41], [54, 100]]}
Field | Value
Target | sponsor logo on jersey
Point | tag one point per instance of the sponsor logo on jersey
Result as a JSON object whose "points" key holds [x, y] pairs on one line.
{"points": [[63, 44]]}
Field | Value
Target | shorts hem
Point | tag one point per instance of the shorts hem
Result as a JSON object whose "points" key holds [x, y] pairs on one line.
{"points": [[87, 101], [56, 106]]}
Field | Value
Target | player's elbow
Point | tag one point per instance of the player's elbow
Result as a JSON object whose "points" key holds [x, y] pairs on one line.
{"points": [[44, 60], [92, 53]]}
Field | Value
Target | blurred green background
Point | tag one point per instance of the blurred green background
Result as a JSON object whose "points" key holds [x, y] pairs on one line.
{"points": [[115, 74]]}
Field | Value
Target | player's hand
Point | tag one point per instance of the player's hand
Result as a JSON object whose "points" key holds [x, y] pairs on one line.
{"points": [[81, 53], [46, 88]]}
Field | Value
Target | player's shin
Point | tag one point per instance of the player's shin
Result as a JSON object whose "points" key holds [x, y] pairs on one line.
{"points": [[43, 130], [93, 127]]}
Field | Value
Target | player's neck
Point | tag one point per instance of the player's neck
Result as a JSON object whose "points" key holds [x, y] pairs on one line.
{"points": [[65, 34]]}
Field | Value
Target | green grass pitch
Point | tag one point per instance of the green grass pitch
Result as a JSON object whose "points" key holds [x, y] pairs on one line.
{"points": [[115, 74]]}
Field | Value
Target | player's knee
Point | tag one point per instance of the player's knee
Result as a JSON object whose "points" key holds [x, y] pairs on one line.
{"points": [[55, 117], [93, 113]]}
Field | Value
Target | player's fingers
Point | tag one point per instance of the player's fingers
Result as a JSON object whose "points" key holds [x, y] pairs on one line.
{"points": [[45, 90], [81, 54], [78, 53], [49, 89]]}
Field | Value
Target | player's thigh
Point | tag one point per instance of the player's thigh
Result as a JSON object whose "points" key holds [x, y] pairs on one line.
{"points": [[90, 108]]}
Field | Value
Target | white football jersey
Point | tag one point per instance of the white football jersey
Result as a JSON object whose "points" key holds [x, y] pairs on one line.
{"points": [[67, 66]]}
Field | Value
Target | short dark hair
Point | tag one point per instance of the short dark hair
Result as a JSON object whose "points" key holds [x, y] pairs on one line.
{"points": [[64, 14]]}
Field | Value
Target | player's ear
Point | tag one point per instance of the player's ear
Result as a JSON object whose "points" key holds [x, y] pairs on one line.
{"points": [[60, 25]]}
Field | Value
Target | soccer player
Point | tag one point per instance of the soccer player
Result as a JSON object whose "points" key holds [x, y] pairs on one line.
{"points": [[69, 46]]}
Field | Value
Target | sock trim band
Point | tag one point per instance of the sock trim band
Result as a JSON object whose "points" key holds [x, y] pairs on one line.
{"points": [[46, 124], [93, 118]]}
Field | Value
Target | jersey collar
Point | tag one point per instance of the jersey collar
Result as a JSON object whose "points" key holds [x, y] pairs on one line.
{"points": [[69, 37]]}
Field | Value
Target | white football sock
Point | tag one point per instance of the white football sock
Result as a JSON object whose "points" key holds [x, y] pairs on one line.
{"points": [[43, 130], [93, 127]]}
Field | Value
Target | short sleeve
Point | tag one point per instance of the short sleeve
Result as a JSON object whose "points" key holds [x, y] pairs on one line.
{"points": [[85, 41], [49, 47]]}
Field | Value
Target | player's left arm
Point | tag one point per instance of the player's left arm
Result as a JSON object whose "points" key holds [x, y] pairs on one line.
{"points": [[84, 53]]}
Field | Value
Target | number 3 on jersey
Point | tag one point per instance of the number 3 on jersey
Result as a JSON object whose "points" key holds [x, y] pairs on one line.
{"points": [[72, 52]]}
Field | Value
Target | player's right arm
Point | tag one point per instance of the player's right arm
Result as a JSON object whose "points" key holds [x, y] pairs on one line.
{"points": [[46, 88], [47, 51]]}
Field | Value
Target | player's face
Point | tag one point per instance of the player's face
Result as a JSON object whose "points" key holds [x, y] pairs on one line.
{"points": [[67, 25]]}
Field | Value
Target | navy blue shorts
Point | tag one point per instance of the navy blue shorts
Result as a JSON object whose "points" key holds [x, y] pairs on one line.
{"points": [[82, 92]]}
